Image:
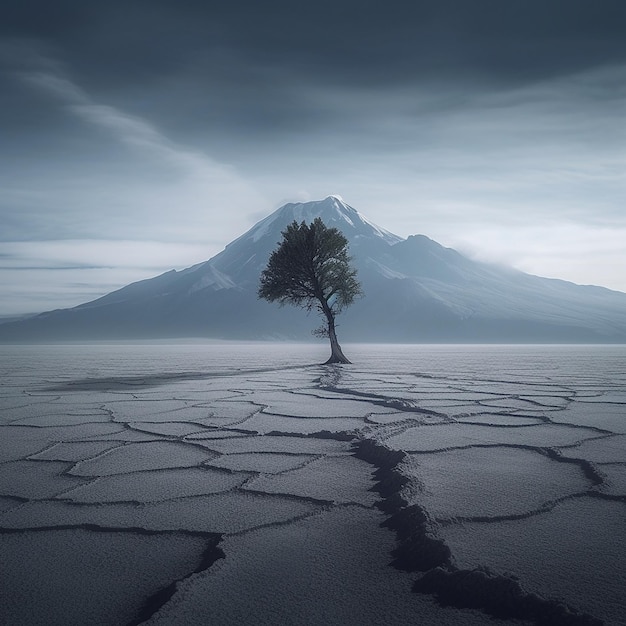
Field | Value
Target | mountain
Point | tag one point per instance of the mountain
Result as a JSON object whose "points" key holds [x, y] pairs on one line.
{"points": [[415, 291]]}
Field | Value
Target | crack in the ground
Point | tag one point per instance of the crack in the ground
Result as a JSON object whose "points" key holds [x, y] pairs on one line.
{"points": [[420, 550]]}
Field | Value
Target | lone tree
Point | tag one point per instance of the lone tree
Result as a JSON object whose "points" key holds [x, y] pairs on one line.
{"points": [[311, 268]]}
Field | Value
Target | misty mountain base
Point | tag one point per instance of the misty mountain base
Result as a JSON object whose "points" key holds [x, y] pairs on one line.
{"points": [[311, 269], [417, 292]]}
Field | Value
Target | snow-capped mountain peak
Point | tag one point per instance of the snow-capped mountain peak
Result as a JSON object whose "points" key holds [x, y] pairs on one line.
{"points": [[244, 258], [333, 211]]}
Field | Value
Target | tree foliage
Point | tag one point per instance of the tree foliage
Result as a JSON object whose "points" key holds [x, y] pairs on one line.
{"points": [[311, 268]]}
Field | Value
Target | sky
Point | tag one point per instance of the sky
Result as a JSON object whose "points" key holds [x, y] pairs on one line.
{"points": [[139, 136]]}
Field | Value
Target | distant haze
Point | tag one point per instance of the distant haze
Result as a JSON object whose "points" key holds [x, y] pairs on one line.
{"points": [[143, 136]]}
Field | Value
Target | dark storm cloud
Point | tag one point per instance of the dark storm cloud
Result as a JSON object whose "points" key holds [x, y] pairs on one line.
{"points": [[250, 63], [355, 40]]}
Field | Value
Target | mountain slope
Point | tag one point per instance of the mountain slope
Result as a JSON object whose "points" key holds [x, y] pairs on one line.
{"points": [[415, 290]]}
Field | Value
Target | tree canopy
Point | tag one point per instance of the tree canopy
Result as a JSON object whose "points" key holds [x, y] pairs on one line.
{"points": [[311, 269]]}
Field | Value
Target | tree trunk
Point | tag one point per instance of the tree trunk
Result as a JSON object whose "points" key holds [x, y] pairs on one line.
{"points": [[336, 354]]}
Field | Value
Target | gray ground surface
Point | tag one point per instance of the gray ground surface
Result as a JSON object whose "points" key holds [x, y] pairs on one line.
{"points": [[203, 484]]}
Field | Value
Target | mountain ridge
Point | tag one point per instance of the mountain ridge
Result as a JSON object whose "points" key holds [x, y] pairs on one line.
{"points": [[416, 290]]}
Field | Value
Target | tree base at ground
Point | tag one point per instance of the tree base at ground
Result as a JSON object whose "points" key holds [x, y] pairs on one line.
{"points": [[334, 359]]}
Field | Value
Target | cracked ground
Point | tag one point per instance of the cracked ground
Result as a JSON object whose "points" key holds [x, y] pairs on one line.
{"points": [[221, 484]]}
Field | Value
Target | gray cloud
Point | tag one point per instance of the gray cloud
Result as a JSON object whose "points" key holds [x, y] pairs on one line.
{"points": [[365, 39], [245, 63]]}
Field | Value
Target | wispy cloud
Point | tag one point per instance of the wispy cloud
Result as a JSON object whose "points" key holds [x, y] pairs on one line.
{"points": [[35, 290], [42, 275], [77, 253], [135, 132], [78, 231], [556, 249]]}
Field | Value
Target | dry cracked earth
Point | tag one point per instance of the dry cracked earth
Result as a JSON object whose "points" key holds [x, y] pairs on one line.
{"points": [[441, 488]]}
